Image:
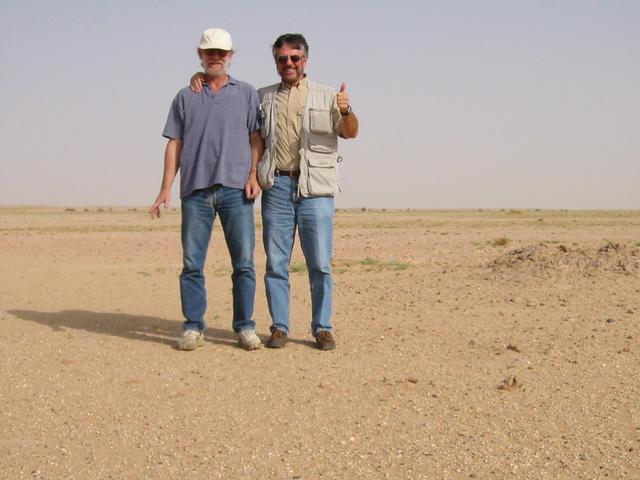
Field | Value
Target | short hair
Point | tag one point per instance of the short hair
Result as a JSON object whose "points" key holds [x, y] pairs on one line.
{"points": [[295, 40]]}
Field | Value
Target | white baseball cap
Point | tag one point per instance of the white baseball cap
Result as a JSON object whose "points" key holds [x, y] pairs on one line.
{"points": [[216, 38]]}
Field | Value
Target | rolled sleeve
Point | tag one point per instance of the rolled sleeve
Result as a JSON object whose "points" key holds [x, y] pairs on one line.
{"points": [[174, 127]]}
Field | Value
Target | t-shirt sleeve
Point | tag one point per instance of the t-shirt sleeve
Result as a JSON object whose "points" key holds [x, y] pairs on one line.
{"points": [[253, 117], [174, 128]]}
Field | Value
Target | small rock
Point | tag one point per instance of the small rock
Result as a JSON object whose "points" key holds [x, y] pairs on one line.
{"points": [[609, 246], [509, 383], [513, 348]]}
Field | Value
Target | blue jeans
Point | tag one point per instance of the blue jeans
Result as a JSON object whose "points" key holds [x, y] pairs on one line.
{"points": [[199, 211], [283, 210]]}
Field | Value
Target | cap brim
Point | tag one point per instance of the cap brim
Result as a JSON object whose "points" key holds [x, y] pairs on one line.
{"points": [[210, 46]]}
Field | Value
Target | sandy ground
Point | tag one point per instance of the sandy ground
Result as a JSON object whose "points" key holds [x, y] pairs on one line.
{"points": [[471, 344]]}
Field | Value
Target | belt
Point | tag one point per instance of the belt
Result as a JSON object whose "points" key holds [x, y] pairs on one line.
{"points": [[287, 173]]}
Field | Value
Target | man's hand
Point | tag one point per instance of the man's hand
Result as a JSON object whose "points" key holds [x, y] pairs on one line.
{"points": [[349, 121], [171, 165], [342, 98], [163, 198], [252, 188], [197, 81]]}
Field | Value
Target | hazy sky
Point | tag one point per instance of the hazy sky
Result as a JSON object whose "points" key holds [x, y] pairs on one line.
{"points": [[462, 104]]}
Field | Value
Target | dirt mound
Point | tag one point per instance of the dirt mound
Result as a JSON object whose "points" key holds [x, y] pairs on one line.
{"points": [[548, 260]]}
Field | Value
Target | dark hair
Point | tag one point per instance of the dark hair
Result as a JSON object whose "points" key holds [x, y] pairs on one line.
{"points": [[295, 40]]}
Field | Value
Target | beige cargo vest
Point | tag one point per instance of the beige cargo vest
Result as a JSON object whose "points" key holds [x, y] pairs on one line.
{"points": [[319, 157]]}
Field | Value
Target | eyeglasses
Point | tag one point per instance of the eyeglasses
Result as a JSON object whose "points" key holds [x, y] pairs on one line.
{"points": [[283, 59], [215, 51]]}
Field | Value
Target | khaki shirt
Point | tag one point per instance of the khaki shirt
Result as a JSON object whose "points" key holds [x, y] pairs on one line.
{"points": [[290, 103]]}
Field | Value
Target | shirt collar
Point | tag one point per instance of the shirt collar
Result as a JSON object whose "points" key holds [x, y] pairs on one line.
{"points": [[230, 81], [303, 83]]}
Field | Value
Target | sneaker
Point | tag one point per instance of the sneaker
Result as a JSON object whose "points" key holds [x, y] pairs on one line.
{"points": [[190, 340], [278, 339], [249, 340], [325, 341]]}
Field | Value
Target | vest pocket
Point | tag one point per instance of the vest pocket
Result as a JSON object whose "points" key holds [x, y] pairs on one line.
{"points": [[319, 148], [265, 120], [266, 170], [320, 121], [322, 172]]}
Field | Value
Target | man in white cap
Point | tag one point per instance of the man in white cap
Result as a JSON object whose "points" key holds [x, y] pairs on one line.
{"points": [[214, 140]]}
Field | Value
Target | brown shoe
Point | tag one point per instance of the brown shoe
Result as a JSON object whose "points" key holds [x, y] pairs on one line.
{"points": [[325, 341], [278, 339]]}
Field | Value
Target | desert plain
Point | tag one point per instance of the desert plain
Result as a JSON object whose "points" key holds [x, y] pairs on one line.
{"points": [[488, 344]]}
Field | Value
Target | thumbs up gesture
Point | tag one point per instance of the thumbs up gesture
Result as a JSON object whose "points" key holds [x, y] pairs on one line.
{"points": [[342, 97]]}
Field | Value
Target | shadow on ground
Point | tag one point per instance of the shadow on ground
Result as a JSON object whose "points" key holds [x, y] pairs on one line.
{"points": [[134, 327]]}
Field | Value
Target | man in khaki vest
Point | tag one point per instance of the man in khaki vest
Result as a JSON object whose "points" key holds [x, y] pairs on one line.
{"points": [[293, 201]]}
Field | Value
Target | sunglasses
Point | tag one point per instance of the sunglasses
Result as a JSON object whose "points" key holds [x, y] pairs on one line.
{"points": [[215, 51], [283, 59]]}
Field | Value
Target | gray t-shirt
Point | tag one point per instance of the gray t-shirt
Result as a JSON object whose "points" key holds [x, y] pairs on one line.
{"points": [[214, 129]]}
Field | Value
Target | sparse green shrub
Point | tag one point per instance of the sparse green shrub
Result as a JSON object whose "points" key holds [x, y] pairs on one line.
{"points": [[501, 242], [297, 267], [376, 264]]}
